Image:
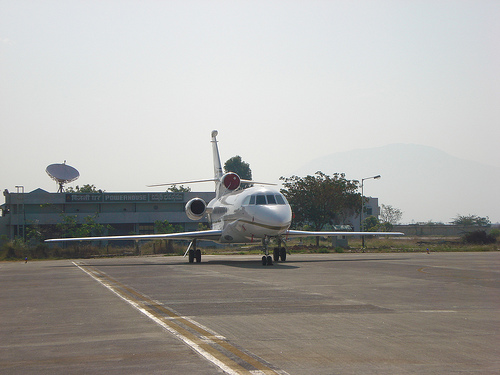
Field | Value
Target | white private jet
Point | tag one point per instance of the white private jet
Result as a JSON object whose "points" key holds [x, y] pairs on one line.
{"points": [[236, 216]]}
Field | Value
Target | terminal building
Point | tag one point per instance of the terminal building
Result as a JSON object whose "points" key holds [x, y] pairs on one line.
{"points": [[126, 213]]}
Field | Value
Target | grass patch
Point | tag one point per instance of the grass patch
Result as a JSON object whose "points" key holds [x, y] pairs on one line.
{"points": [[18, 250]]}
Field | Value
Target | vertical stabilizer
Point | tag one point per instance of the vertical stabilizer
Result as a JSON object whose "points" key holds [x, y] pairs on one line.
{"points": [[217, 164]]}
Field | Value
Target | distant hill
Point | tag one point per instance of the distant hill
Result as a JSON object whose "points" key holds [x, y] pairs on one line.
{"points": [[424, 182]]}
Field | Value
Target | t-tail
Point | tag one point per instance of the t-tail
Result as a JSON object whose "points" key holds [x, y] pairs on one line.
{"points": [[224, 183]]}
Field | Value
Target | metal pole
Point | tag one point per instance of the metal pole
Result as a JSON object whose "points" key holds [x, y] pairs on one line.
{"points": [[361, 224]]}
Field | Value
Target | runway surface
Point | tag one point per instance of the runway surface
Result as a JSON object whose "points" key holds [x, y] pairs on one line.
{"points": [[420, 313]]}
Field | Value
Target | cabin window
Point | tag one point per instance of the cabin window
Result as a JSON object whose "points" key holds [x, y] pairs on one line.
{"points": [[252, 199]]}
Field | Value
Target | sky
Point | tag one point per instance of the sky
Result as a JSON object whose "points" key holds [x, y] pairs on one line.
{"points": [[128, 91]]}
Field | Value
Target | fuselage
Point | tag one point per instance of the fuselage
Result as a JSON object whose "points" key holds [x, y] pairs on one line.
{"points": [[250, 214]]}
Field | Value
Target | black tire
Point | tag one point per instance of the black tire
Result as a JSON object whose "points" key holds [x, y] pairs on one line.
{"points": [[269, 260], [197, 255], [264, 260], [191, 256], [283, 254], [276, 254]]}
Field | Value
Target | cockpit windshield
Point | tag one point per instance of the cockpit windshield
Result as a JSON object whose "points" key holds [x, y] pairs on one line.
{"points": [[264, 199]]}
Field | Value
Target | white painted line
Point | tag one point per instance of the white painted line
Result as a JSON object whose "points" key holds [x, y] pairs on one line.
{"points": [[158, 321]]}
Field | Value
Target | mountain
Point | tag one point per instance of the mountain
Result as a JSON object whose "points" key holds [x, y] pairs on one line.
{"points": [[424, 182]]}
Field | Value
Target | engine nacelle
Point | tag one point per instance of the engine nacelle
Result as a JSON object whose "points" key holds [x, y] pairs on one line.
{"points": [[195, 208], [231, 181]]}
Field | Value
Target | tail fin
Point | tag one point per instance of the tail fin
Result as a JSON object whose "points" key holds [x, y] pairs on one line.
{"points": [[217, 164]]}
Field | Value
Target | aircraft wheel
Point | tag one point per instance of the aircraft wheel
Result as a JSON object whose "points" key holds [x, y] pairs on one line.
{"points": [[264, 260], [269, 260], [276, 254], [191, 256], [198, 255], [283, 254]]}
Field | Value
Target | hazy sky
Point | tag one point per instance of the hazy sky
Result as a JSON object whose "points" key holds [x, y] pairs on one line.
{"points": [[129, 91]]}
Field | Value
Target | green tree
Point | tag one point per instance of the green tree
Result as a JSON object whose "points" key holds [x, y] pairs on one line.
{"points": [[180, 189], [321, 199], [70, 227], [371, 224], [241, 168], [472, 220], [165, 227], [87, 188]]}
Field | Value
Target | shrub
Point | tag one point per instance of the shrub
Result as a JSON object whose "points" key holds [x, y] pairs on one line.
{"points": [[479, 237]]}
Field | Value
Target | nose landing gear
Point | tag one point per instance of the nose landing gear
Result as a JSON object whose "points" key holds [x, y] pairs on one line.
{"points": [[278, 252], [267, 260]]}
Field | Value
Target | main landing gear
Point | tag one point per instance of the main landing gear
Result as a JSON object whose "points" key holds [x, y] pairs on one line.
{"points": [[278, 252], [194, 253]]}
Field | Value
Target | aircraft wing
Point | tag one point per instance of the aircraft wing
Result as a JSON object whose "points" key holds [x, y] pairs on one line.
{"points": [[210, 235], [302, 233]]}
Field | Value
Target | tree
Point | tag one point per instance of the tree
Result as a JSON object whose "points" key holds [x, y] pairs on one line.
{"points": [[241, 168], [165, 227], [479, 237], [472, 220], [320, 199], [69, 227], [391, 215], [180, 189], [371, 224], [87, 188]]}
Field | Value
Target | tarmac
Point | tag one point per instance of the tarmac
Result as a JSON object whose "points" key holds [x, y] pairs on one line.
{"points": [[408, 313]]}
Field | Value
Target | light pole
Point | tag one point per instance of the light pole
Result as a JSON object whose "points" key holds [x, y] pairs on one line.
{"points": [[20, 190], [361, 225]]}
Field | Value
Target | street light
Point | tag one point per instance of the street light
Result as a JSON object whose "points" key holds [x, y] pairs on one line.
{"points": [[361, 225]]}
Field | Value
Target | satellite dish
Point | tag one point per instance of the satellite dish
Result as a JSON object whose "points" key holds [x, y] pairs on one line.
{"points": [[62, 174]]}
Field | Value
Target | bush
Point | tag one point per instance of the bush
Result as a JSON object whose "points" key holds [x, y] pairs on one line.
{"points": [[495, 232], [479, 237]]}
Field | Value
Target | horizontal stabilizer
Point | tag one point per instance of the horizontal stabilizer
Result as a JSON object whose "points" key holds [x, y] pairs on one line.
{"points": [[184, 182], [208, 180]]}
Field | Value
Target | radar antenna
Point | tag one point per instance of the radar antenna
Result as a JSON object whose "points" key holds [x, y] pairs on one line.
{"points": [[62, 174]]}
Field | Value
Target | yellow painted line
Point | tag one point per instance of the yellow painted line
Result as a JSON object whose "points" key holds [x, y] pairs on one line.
{"points": [[201, 343]]}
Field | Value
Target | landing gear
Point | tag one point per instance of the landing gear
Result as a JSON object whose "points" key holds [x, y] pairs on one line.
{"points": [[194, 253], [267, 260], [279, 253], [282, 254]]}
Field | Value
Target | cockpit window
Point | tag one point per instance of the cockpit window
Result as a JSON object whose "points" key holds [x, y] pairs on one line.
{"points": [[260, 199], [271, 199]]}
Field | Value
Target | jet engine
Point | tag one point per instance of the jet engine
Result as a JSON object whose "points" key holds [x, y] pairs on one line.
{"points": [[231, 181], [195, 208]]}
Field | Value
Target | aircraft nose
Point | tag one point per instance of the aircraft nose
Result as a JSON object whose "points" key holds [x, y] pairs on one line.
{"points": [[275, 216]]}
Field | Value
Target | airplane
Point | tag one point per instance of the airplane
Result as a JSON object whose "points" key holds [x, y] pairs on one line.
{"points": [[258, 213]]}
